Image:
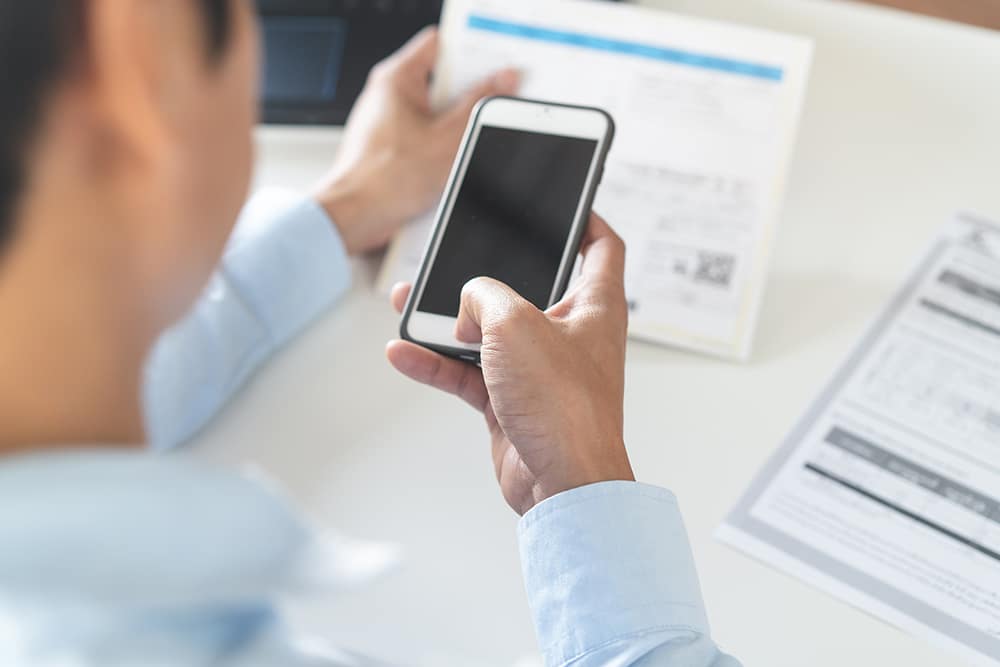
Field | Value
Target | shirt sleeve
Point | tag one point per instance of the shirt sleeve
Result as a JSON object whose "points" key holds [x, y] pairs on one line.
{"points": [[284, 266], [611, 580]]}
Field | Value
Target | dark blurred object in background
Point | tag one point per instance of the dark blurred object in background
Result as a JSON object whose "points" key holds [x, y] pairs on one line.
{"points": [[319, 52]]}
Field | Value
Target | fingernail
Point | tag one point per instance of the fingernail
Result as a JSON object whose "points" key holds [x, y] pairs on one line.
{"points": [[508, 80]]}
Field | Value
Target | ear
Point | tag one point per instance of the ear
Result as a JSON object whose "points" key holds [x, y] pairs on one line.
{"points": [[122, 70]]}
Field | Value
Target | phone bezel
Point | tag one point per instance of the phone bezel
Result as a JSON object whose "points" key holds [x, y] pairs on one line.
{"points": [[437, 331]]}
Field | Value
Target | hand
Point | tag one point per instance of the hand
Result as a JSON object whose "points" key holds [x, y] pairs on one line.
{"points": [[552, 384], [396, 152]]}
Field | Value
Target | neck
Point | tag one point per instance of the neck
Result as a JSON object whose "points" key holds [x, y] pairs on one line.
{"points": [[71, 350]]}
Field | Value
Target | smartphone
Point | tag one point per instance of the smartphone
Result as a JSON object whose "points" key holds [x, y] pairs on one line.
{"points": [[515, 209]]}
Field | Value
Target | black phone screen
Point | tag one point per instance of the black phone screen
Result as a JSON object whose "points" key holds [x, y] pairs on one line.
{"points": [[512, 216]]}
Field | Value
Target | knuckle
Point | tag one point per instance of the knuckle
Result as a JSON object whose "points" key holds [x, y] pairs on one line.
{"points": [[511, 320], [474, 287], [521, 311], [477, 282], [618, 242], [381, 72], [520, 316]]}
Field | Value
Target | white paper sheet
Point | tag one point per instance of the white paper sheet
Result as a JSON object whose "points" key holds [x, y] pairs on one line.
{"points": [[706, 117], [887, 492]]}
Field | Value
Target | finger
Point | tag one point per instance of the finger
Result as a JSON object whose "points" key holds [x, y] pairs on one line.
{"points": [[488, 304], [399, 294], [504, 82], [416, 58], [603, 254], [430, 368]]}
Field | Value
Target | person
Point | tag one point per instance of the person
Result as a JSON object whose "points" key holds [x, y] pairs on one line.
{"points": [[131, 311]]}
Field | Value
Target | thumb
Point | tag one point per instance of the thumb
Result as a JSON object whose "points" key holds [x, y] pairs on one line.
{"points": [[504, 82], [490, 306]]}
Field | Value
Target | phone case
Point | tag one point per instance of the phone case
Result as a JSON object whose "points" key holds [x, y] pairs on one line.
{"points": [[562, 280]]}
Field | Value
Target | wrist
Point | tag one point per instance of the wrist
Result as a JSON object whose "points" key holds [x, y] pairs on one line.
{"points": [[345, 206], [609, 465]]}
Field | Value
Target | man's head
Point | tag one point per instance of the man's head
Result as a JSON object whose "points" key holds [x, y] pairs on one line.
{"points": [[136, 115]]}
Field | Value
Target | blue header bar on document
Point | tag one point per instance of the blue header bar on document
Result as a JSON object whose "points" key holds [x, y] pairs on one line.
{"points": [[581, 40]]}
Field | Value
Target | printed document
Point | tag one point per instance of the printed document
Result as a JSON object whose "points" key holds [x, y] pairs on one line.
{"points": [[887, 492], [706, 117]]}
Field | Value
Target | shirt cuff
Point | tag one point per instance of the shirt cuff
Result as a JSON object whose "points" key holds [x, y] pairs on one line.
{"points": [[287, 261], [605, 562]]}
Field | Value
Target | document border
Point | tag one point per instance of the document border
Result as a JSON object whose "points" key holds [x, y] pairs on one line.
{"points": [[741, 530]]}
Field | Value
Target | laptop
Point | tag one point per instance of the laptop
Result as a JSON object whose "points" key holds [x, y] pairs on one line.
{"points": [[318, 52]]}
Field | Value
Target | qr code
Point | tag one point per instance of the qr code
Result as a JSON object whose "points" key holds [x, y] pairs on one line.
{"points": [[715, 268]]}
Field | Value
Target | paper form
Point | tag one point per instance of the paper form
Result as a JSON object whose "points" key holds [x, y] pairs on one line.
{"points": [[887, 492], [706, 115]]}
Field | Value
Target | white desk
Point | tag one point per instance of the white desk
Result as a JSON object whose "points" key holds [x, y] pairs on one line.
{"points": [[900, 129]]}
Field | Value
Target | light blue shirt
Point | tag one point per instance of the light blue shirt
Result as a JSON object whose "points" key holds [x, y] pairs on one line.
{"points": [[112, 558]]}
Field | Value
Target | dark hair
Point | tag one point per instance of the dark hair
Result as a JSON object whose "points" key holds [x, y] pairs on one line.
{"points": [[37, 41]]}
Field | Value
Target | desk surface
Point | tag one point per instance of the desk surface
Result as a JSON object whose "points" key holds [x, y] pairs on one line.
{"points": [[900, 130]]}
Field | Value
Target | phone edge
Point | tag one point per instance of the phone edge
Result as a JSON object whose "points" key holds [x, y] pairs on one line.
{"points": [[562, 280]]}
